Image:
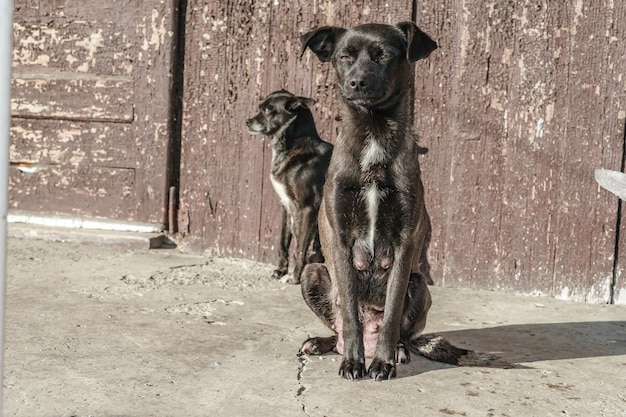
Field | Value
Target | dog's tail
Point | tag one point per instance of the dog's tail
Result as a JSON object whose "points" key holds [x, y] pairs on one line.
{"points": [[438, 349]]}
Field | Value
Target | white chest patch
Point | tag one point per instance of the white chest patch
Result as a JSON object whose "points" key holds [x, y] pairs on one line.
{"points": [[281, 190], [372, 154], [372, 200]]}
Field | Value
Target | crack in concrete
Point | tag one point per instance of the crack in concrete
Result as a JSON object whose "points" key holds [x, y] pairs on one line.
{"points": [[299, 394]]}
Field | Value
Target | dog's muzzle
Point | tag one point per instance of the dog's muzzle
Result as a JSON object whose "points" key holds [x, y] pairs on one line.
{"points": [[254, 127]]}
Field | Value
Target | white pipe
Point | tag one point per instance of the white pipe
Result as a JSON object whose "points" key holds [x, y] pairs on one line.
{"points": [[77, 222], [6, 51]]}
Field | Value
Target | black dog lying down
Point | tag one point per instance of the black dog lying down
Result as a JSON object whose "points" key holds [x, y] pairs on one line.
{"points": [[373, 221], [299, 164]]}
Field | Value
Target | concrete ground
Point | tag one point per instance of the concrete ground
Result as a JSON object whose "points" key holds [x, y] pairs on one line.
{"points": [[102, 330]]}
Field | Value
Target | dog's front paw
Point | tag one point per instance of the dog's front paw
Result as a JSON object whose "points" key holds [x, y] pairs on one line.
{"points": [[279, 273], [318, 345], [290, 279], [352, 369], [381, 370]]}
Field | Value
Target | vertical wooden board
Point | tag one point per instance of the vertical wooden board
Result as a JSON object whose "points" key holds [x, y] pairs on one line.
{"points": [[459, 104], [619, 277], [614, 137], [593, 138], [221, 170], [154, 66], [279, 67], [534, 135], [433, 79]]}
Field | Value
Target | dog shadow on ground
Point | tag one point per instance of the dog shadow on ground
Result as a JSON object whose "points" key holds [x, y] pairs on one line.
{"points": [[522, 344]]}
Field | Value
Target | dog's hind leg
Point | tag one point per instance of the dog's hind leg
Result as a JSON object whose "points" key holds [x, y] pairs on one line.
{"points": [[416, 305], [424, 264], [314, 254], [283, 249], [316, 289], [305, 228]]}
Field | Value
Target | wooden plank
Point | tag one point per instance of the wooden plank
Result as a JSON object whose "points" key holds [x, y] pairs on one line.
{"points": [[83, 190], [592, 138], [153, 75], [72, 96], [85, 168], [433, 79], [72, 69], [614, 97], [221, 172], [26, 9], [71, 143], [110, 11], [89, 44], [531, 153], [459, 114]]}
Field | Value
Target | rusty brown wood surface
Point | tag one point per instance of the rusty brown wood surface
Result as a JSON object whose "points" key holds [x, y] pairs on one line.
{"points": [[518, 106], [91, 104], [522, 101]]}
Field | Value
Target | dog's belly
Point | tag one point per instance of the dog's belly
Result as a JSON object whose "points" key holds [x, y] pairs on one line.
{"points": [[372, 317]]}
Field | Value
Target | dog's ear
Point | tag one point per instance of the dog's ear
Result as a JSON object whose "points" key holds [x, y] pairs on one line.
{"points": [[322, 41], [296, 102], [419, 44]]}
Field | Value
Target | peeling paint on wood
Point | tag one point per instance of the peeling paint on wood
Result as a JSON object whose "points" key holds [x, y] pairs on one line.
{"points": [[515, 119], [69, 96], [92, 104]]}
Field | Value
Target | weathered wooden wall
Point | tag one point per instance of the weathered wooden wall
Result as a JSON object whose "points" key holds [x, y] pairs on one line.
{"points": [[523, 101], [518, 106], [91, 105]]}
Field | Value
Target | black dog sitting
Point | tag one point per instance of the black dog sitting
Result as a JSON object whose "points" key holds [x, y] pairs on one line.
{"points": [[373, 221], [299, 164]]}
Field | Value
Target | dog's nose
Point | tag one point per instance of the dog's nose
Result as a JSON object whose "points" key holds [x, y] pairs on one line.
{"points": [[357, 84], [248, 122]]}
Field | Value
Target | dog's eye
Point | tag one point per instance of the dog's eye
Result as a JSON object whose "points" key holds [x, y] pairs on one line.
{"points": [[267, 110], [383, 57]]}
